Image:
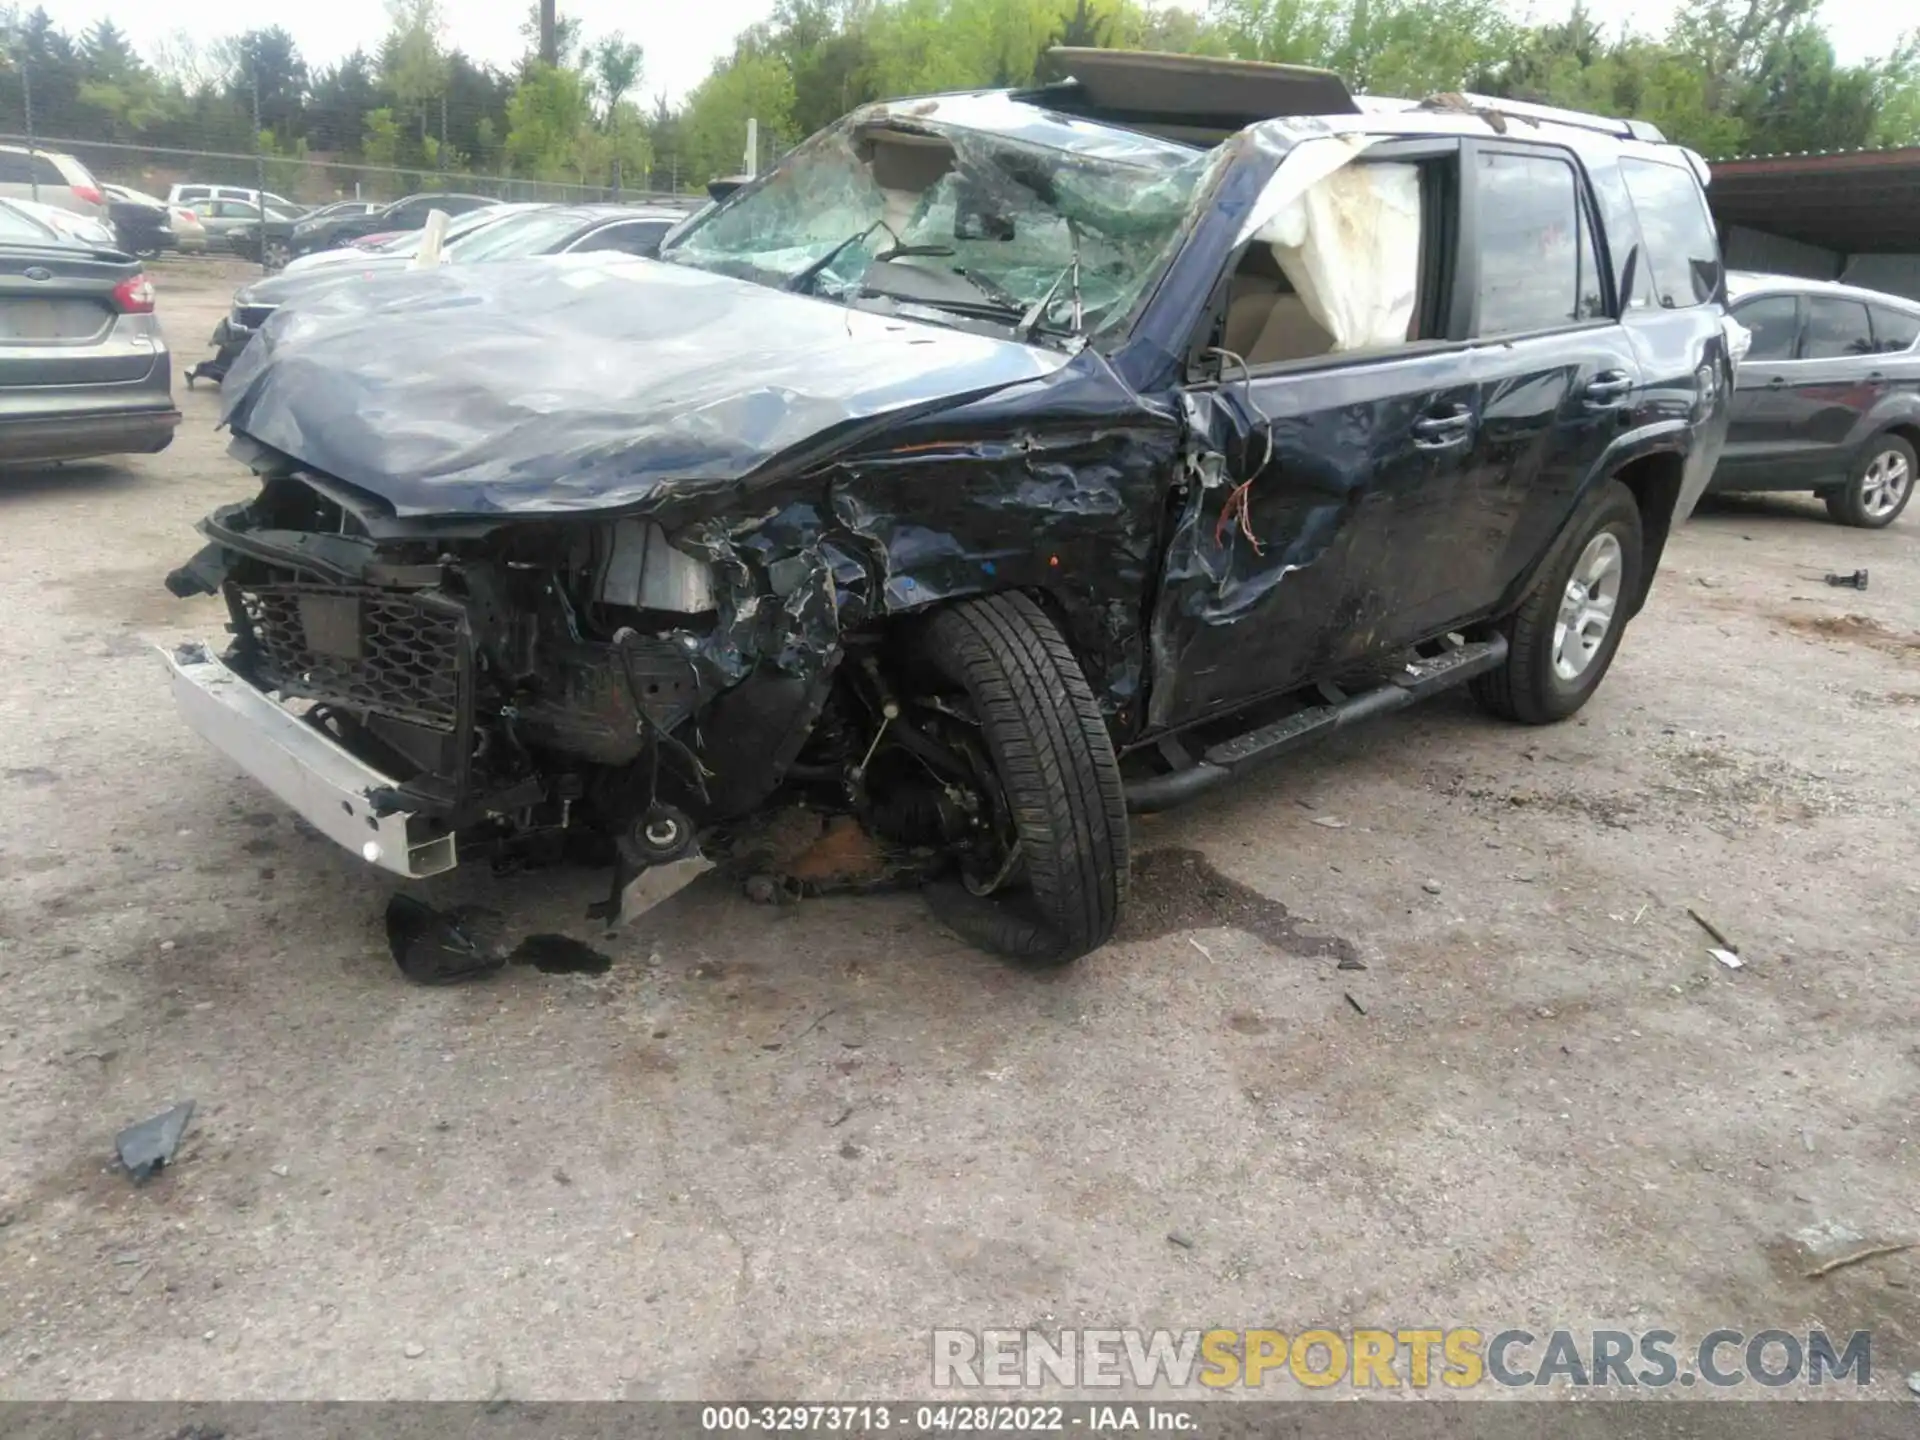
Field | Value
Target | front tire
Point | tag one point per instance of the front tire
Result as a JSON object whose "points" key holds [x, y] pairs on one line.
{"points": [[1563, 637], [1054, 761], [1882, 484]]}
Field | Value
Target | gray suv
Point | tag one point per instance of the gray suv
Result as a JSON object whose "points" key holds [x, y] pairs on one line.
{"points": [[1828, 397]]}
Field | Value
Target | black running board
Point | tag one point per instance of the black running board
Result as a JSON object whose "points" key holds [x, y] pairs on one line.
{"points": [[1420, 677]]}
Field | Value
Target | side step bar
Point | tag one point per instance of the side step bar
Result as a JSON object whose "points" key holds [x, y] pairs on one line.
{"points": [[1417, 679]]}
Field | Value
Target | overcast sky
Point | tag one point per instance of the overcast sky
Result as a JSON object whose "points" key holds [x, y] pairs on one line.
{"points": [[683, 43]]}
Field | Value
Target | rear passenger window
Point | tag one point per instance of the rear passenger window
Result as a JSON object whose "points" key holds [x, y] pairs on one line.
{"points": [[1893, 329], [1775, 323], [45, 172], [1537, 265], [1682, 253], [1836, 328]]}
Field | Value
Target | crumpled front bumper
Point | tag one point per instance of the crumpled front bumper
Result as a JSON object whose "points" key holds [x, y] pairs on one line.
{"points": [[329, 787]]}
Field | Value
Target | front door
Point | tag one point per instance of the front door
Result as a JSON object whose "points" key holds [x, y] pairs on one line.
{"points": [[1333, 432], [1763, 444], [1259, 589]]}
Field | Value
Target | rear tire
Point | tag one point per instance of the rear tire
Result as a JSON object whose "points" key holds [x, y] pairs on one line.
{"points": [[1882, 483], [1563, 637], [1054, 759]]}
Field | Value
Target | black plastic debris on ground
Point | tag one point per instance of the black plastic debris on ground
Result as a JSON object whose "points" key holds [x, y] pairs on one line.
{"points": [[149, 1146], [1855, 581], [560, 955], [443, 947], [434, 947]]}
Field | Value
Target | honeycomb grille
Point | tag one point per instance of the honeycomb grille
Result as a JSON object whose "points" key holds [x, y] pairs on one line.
{"points": [[372, 651]]}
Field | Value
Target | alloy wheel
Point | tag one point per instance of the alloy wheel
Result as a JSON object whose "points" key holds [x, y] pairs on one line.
{"points": [[1588, 607], [1884, 484]]}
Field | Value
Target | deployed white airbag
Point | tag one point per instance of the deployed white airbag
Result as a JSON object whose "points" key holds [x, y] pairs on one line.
{"points": [[1347, 237]]}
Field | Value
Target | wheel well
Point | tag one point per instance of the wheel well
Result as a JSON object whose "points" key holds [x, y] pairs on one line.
{"points": [[1655, 482], [1907, 431]]}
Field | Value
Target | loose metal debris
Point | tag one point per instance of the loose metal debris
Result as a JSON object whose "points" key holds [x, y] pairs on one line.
{"points": [[1872, 1252], [150, 1145], [1723, 949]]}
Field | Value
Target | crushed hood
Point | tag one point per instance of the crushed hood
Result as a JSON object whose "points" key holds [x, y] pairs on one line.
{"points": [[585, 382]]}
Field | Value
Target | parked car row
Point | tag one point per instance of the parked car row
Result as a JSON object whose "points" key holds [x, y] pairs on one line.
{"points": [[495, 232]]}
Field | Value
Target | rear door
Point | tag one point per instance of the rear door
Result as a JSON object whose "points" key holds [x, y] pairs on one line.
{"points": [[1836, 383], [1557, 374]]}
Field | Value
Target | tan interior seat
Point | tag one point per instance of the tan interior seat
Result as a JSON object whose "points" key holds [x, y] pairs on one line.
{"points": [[1266, 321]]}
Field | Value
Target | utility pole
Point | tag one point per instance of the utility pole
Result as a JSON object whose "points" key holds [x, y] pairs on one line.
{"points": [[549, 42], [26, 90], [259, 168], [443, 139]]}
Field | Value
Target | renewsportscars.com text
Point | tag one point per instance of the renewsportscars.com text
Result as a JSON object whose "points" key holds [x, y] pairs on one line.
{"points": [[1457, 1358]]}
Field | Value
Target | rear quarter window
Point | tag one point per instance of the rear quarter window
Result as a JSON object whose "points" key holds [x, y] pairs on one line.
{"points": [[1893, 330], [1681, 253]]}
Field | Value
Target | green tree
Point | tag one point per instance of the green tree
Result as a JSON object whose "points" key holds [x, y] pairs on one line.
{"points": [[1800, 99], [380, 139], [617, 64], [550, 110], [713, 127], [1391, 47], [341, 99], [271, 61]]}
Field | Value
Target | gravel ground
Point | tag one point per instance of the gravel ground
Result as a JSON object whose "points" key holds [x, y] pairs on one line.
{"points": [[774, 1147]]}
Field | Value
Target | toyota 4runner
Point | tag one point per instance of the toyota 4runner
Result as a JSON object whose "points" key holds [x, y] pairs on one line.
{"points": [[994, 466]]}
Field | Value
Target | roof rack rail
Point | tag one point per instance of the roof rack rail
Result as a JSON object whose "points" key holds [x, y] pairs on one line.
{"points": [[1575, 119]]}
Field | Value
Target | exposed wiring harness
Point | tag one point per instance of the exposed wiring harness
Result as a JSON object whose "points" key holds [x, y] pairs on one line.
{"points": [[1235, 513]]}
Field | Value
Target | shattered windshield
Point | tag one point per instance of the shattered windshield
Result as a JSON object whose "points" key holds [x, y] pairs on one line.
{"points": [[1039, 223]]}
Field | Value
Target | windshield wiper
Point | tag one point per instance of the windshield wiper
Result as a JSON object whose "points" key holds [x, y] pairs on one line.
{"points": [[802, 282], [1029, 325]]}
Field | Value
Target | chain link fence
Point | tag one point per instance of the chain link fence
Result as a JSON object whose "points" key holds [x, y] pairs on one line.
{"points": [[311, 180], [224, 136]]}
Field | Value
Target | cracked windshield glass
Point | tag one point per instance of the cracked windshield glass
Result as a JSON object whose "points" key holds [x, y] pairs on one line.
{"points": [[1039, 224]]}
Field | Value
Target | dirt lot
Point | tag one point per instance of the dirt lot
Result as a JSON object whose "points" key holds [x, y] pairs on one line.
{"points": [[775, 1146]]}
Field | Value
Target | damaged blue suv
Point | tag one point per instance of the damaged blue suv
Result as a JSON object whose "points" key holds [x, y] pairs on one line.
{"points": [[996, 465]]}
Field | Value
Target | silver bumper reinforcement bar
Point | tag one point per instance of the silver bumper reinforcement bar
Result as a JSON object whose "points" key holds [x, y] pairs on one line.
{"points": [[309, 770]]}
